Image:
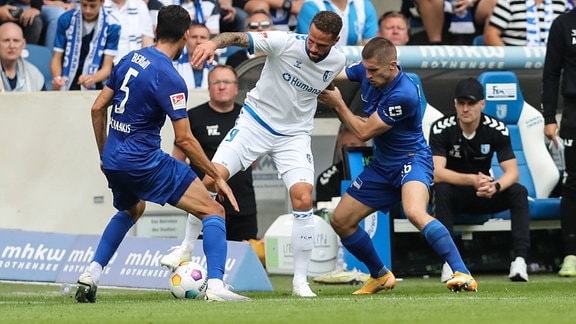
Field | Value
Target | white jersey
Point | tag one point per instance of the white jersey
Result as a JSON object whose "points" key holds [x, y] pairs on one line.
{"points": [[285, 97]]}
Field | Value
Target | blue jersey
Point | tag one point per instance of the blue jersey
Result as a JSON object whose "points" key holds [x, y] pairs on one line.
{"points": [[398, 105], [146, 89]]}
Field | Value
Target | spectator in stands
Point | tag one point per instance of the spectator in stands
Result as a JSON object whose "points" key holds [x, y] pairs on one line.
{"points": [[196, 78], [283, 12], [210, 123], [449, 21], [16, 74], [561, 61], [25, 13], [360, 13], [328, 182], [394, 26], [85, 46], [136, 25], [232, 18], [205, 12], [50, 12], [257, 21], [522, 23], [462, 146]]}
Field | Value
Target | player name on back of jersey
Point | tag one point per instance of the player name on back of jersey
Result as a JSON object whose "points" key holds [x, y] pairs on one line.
{"points": [[140, 60]]}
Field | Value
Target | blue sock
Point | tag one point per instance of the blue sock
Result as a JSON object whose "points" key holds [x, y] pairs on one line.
{"points": [[215, 246], [361, 246], [113, 235], [440, 240]]}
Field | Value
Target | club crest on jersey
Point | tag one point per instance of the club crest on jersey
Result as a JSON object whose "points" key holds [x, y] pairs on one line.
{"points": [[178, 101], [309, 158], [485, 148], [327, 75], [298, 64]]}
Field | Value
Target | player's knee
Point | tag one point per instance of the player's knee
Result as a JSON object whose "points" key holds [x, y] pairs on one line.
{"points": [[301, 196], [137, 211]]}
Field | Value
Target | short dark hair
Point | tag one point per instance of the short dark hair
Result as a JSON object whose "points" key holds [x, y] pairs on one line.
{"points": [[395, 14], [225, 67], [328, 22], [173, 22], [381, 48]]}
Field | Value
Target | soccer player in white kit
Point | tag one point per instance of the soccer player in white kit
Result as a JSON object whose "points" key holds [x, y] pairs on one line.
{"points": [[277, 119]]}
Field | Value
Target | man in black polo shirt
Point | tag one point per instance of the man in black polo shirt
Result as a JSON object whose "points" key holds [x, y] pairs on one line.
{"points": [[462, 146]]}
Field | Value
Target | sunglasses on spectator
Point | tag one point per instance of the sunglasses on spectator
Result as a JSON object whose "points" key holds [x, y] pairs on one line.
{"points": [[256, 24]]}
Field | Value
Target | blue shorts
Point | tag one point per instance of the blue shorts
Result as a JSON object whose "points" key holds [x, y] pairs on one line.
{"points": [[165, 183], [380, 186]]}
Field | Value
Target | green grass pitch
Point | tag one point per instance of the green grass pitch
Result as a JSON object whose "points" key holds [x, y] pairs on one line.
{"points": [[547, 298]]}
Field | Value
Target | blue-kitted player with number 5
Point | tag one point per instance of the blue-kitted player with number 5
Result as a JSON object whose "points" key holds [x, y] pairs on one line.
{"points": [[143, 88]]}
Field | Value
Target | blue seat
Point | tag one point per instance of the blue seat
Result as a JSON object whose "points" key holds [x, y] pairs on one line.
{"points": [[478, 40], [41, 56], [537, 171]]}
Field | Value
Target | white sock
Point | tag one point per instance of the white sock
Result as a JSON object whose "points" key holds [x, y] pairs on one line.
{"points": [[95, 270], [302, 244], [193, 229], [215, 284]]}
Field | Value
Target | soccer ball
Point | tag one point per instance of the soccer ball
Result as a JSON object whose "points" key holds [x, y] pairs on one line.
{"points": [[189, 280]]}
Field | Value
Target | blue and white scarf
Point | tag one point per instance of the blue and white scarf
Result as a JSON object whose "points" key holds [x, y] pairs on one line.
{"points": [[533, 29], [74, 44]]}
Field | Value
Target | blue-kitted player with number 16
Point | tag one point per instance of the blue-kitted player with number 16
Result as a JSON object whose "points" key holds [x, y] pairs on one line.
{"points": [[143, 88]]}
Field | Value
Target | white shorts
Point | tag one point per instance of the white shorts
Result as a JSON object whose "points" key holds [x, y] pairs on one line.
{"points": [[249, 140]]}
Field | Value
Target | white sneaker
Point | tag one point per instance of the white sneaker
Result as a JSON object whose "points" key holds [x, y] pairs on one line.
{"points": [[447, 273], [175, 256], [518, 270], [303, 290], [223, 295]]}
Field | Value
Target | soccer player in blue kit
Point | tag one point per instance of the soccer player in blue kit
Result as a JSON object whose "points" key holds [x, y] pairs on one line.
{"points": [[143, 88], [402, 169]]}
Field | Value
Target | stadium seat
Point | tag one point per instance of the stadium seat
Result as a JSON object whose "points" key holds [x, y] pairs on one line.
{"points": [[538, 172], [40, 56], [478, 40]]}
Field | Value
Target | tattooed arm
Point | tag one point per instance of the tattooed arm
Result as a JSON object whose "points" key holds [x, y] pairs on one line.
{"points": [[206, 50]]}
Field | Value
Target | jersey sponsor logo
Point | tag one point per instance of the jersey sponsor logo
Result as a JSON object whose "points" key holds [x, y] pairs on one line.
{"points": [[294, 81], [496, 124], [178, 101]]}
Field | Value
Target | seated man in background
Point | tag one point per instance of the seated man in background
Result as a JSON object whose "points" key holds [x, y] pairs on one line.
{"points": [[328, 182], [522, 23], [394, 26], [257, 21], [462, 146], [210, 123], [26, 14], [196, 77], [84, 49], [16, 74]]}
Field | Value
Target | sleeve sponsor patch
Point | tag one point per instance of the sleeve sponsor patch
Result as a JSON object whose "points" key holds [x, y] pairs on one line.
{"points": [[178, 101]]}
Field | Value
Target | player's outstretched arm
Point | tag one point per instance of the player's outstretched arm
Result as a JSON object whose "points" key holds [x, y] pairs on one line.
{"points": [[205, 51], [99, 113], [186, 141]]}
